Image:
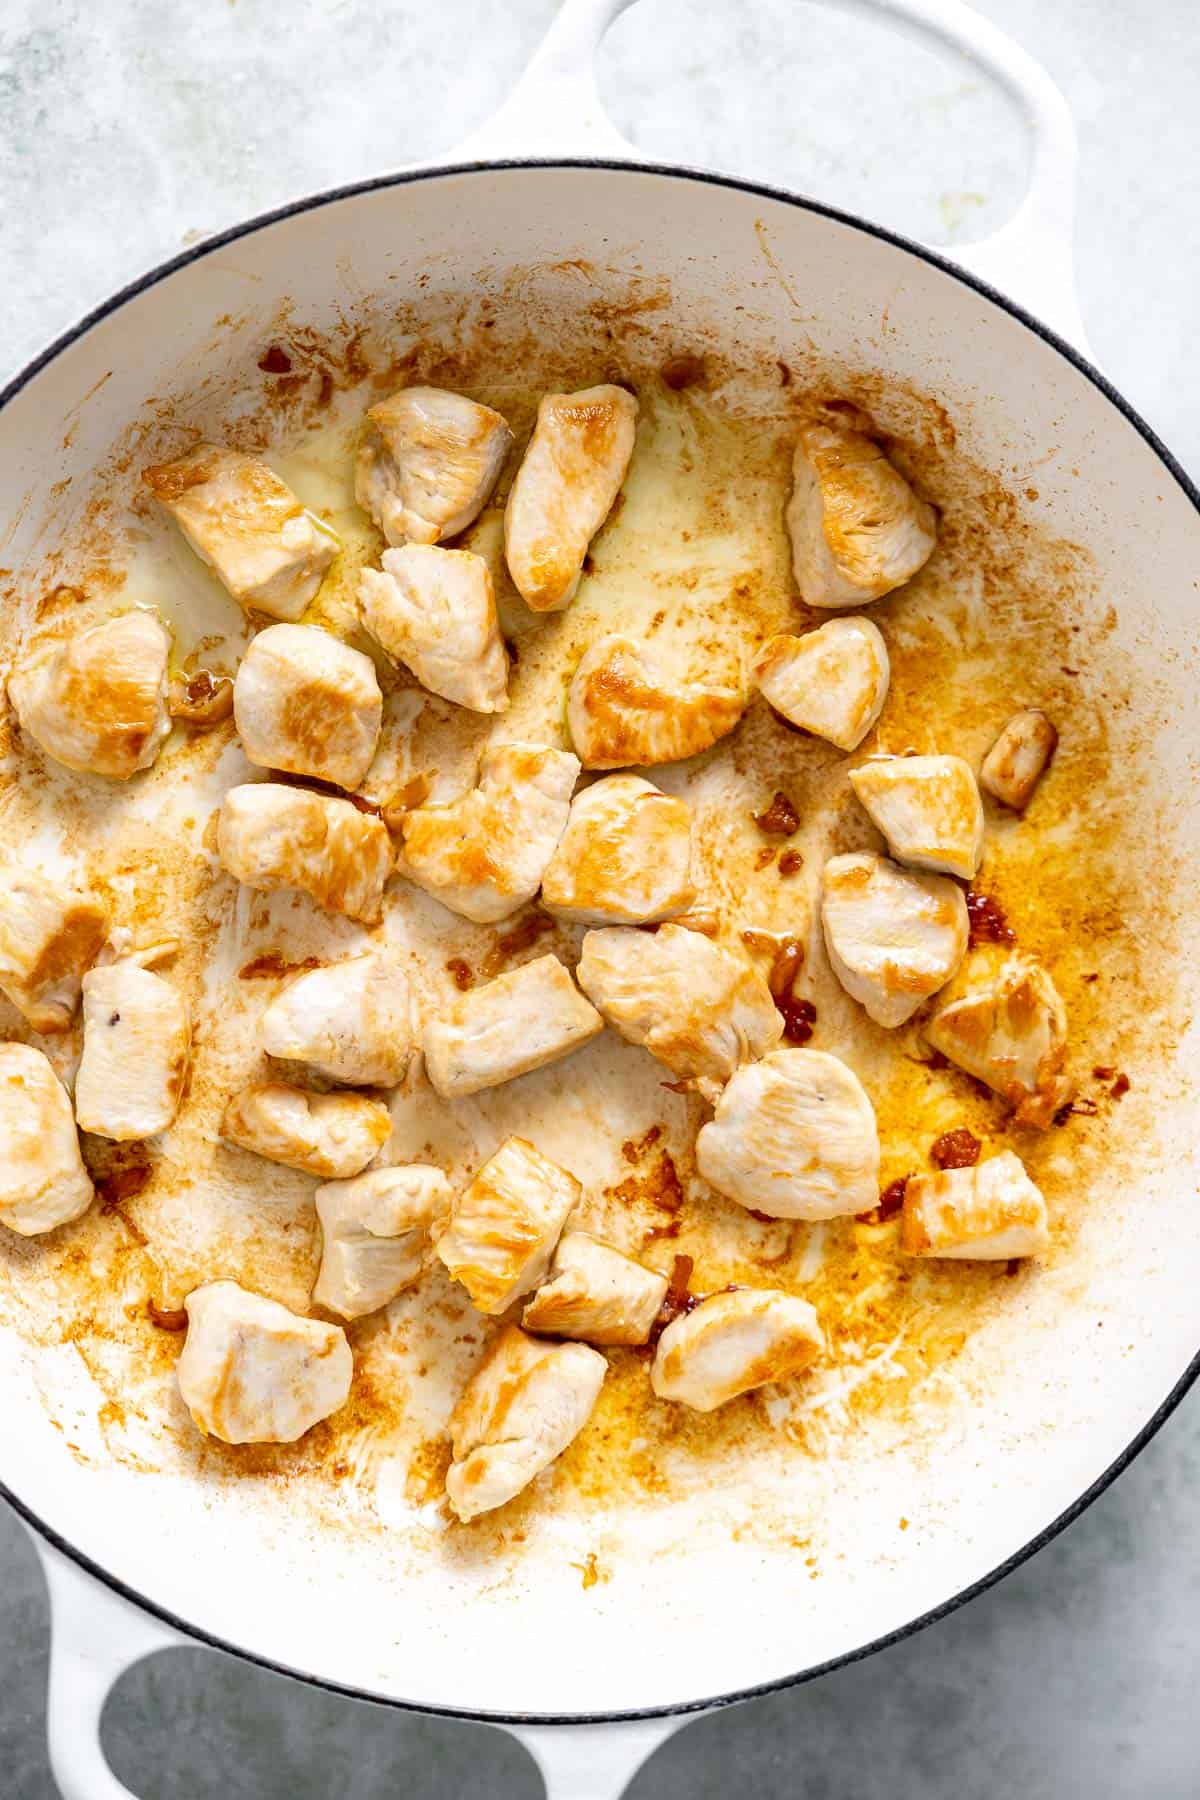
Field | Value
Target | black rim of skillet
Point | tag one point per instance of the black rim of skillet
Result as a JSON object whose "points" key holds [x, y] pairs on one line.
{"points": [[759, 190]]}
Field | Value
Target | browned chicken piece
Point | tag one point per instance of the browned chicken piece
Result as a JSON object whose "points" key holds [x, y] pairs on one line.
{"points": [[700, 1009], [435, 611], [377, 1235], [989, 1213], [927, 807], [1005, 1024], [331, 1135], [732, 1343], [857, 528], [793, 1136], [266, 549], [523, 1020], [202, 699], [350, 1021], [569, 477], [484, 854], [43, 1182], [1019, 758], [624, 710], [308, 704], [832, 681], [595, 1293], [97, 702], [137, 1041], [505, 1225], [49, 937], [625, 857], [272, 836], [525, 1403], [251, 1372], [428, 463], [894, 936]]}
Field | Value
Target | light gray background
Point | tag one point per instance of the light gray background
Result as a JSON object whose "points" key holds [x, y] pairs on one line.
{"points": [[127, 128]]}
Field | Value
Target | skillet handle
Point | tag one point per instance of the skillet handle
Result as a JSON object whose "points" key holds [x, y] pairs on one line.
{"points": [[94, 1637], [555, 111], [593, 1762]]}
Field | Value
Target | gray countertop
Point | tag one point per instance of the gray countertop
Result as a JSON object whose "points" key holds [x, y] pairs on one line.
{"points": [[127, 127]]}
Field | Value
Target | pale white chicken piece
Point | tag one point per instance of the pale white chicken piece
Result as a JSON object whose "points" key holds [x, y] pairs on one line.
{"points": [[894, 936], [625, 709], [700, 1009], [793, 1136], [306, 703], [595, 1293], [266, 549], [377, 1235], [484, 855], [43, 1182], [525, 1403], [857, 528], [1019, 758], [564, 490], [428, 463], [137, 1042], [435, 611], [506, 1223], [521, 1021], [331, 1135], [273, 836], [251, 1372], [97, 702], [350, 1021], [1006, 1025], [732, 1343], [49, 935], [988, 1213], [832, 681], [625, 857], [928, 808]]}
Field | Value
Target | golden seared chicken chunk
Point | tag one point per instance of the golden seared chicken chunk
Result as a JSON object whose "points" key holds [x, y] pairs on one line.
{"points": [[435, 611], [521, 1021], [700, 1009], [43, 1182], [49, 935], [251, 1372], [522, 1407], [625, 857], [857, 528], [270, 552], [306, 703], [137, 1040], [428, 463], [350, 1021], [832, 681], [793, 1136], [928, 808], [273, 836], [377, 1235], [595, 1293], [988, 1213], [624, 709], [505, 1225], [893, 936], [732, 1343], [569, 477], [1019, 758], [1005, 1024], [331, 1135], [97, 702], [484, 855]]}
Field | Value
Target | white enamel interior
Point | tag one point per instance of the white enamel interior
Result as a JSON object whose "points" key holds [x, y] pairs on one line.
{"points": [[690, 1613]]}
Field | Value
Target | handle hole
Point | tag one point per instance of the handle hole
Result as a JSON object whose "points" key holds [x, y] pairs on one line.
{"points": [[844, 107]]}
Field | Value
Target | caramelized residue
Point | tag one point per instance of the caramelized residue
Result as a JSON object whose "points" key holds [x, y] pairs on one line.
{"points": [[779, 819], [986, 920], [272, 964], [957, 1149], [512, 943]]}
